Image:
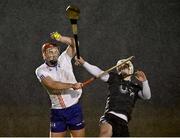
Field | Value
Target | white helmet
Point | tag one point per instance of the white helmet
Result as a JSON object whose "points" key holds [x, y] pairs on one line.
{"points": [[131, 67]]}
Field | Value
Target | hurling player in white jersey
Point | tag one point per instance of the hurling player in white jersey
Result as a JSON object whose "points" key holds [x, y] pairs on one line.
{"points": [[57, 77]]}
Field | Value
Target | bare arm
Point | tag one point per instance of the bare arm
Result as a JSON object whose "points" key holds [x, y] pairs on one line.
{"points": [[71, 50], [56, 85]]}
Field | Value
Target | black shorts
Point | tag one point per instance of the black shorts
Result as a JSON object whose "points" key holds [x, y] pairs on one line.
{"points": [[119, 126]]}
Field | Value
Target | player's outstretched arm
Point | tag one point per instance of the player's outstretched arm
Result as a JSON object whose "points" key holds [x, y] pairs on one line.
{"points": [[94, 70], [56, 85]]}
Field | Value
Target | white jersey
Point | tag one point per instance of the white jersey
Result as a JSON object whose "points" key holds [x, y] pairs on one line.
{"points": [[63, 72]]}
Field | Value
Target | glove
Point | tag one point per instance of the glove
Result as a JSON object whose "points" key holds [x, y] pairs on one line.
{"points": [[55, 35]]}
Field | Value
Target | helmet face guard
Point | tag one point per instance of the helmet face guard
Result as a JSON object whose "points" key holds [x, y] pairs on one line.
{"points": [[127, 68], [50, 54]]}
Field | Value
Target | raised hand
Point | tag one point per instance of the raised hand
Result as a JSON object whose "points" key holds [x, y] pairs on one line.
{"points": [[140, 76], [79, 61], [55, 35]]}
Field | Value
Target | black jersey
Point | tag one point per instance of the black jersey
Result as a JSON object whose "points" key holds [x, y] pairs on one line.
{"points": [[122, 95]]}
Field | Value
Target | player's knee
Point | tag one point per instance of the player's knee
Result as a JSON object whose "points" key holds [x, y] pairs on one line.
{"points": [[105, 130], [105, 133]]}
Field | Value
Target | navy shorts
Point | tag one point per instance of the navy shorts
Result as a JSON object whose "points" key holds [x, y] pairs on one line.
{"points": [[69, 118]]}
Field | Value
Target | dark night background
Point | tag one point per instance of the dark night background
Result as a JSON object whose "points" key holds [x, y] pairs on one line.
{"points": [[108, 31]]}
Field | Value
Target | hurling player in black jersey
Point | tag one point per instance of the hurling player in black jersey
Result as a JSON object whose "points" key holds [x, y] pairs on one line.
{"points": [[122, 96]]}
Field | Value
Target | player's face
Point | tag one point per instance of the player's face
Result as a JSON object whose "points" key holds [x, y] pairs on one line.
{"points": [[51, 55], [124, 70]]}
